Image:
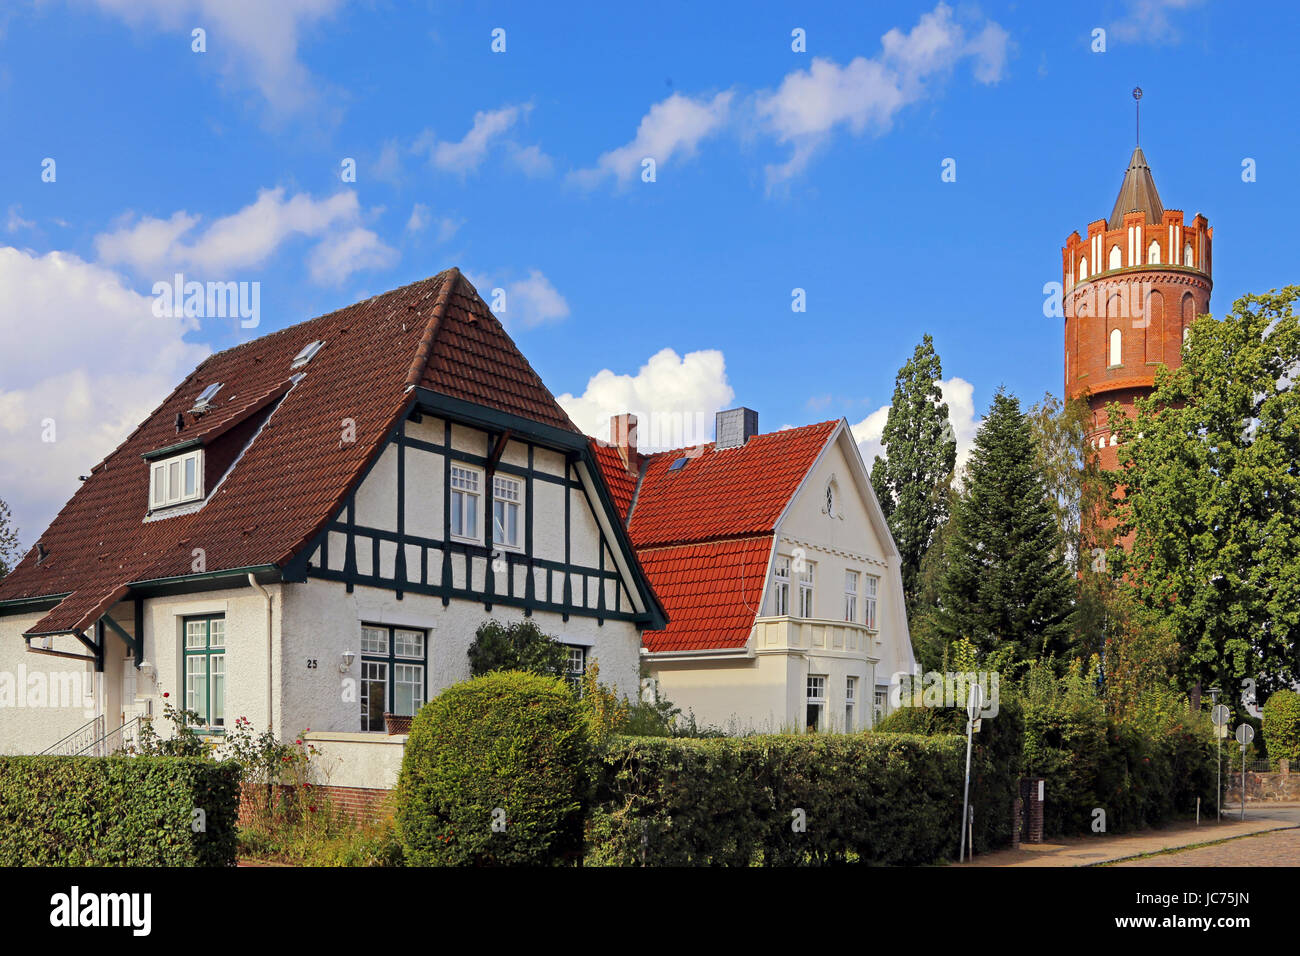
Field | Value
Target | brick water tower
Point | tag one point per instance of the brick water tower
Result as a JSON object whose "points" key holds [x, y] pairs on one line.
{"points": [[1132, 288]]}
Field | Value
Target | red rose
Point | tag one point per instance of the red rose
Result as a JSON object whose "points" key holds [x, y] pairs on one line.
{"points": [[165, 694]]}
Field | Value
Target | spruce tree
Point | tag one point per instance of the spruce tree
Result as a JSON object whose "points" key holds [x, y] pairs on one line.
{"points": [[1006, 586], [913, 478]]}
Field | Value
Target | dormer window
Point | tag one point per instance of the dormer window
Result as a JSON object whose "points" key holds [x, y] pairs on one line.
{"points": [[205, 397], [307, 354], [176, 480]]}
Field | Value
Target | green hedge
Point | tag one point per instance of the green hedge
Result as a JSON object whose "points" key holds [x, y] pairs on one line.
{"points": [[1091, 762], [870, 798], [1281, 726], [996, 758], [509, 747], [117, 811]]}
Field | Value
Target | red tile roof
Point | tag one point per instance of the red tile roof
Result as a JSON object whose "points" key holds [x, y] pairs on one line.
{"points": [[712, 592], [621, 482], [294, 476], [717, 494], [704, 531]]}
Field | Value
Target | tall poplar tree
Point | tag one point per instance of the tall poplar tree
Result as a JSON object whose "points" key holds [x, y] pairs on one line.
{"points": [[9, 554], [1006, 586], [1210, 469], [913, 478]]}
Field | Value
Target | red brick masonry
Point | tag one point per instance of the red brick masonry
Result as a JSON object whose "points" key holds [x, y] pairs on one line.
{"points": [[359, 803]]}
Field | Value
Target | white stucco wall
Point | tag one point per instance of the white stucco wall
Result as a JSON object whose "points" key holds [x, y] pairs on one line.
{"points": [[42, 698]]}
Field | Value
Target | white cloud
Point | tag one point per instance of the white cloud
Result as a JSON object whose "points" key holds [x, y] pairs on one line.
{"points": [[420, 220], [248, 238], [255, 42], [867, 93], [673, 126], [529, 302], [1149, 21], [86, 351], [673, 396], [339, 255], [959, 396], [490, 127], [15, 222]]}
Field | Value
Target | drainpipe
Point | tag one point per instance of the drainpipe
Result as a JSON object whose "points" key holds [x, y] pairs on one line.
{"points": [[266, 596]]}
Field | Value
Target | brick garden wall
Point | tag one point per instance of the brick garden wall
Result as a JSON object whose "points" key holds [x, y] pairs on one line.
{"points": [[1281, 787], [359, 803]]}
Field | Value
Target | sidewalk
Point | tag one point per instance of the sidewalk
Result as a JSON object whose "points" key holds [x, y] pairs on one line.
{"points": [[1092, 850]]}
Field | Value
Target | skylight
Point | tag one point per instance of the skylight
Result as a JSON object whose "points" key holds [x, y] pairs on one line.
{"points": [[307, 354], [679, 464], [206, 396]]}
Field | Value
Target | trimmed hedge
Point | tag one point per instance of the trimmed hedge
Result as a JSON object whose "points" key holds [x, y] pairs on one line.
{"points": [[117, 811], [869, 798], [996, 758], [1281, 727], [507, 741]]}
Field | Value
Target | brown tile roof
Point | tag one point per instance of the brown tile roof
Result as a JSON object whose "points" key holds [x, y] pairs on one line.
{"points": [[1137, 193], [294, 476]]}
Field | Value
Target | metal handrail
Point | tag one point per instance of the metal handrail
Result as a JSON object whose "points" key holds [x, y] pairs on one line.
{"points": [[134, 724], [96, 727]]}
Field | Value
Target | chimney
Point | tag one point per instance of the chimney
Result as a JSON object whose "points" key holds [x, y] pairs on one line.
{"points": [[622, 435], [734, 427]]}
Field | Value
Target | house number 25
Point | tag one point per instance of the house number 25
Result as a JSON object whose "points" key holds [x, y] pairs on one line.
{"points": [[311, 663]]}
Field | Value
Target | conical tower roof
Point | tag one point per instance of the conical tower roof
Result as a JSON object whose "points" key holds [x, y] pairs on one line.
{"points": [[1137, 194]]}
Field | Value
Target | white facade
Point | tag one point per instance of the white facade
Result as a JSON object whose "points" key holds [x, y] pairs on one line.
{"points": [[765, 686], [301, 666]]}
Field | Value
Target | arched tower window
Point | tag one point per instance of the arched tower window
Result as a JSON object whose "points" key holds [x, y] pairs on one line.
{"points": [[1153, 253], [1187, 255], [1116, 352], [1116, 260], [1083, 268]]}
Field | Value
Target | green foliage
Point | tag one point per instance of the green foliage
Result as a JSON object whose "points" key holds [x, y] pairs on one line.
{"points": [[867, 798], [117, 811], [518, 646], [511, 741], [600, 705], [1006, 586], [9, 549], [996, 757], [1139, 777], [323, 835], [185, 740], [912, 481], [1213, 496], [1282, 727]]}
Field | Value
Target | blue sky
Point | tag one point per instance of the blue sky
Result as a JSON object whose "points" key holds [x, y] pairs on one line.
{"points": [[775, 170]]}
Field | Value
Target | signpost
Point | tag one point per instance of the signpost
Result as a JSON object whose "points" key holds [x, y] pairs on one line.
{"points": [[1245, 734], [1219, 716], [972, 708]]}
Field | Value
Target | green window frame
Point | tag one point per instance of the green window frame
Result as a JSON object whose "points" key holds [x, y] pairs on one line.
{"points": [[394, 673], [203, 645]]}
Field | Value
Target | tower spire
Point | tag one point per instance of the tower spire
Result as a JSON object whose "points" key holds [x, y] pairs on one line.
{"points": [[1137, 121]]}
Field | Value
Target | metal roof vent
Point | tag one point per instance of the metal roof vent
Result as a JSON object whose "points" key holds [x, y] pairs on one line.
{"points": [[307, 354], [734, 427]]}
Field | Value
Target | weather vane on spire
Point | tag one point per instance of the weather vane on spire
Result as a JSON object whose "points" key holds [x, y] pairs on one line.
{"points": [[1137, 105]]}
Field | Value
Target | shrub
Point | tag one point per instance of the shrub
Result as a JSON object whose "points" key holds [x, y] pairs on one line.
{"points": [[117, 811], [996, 758], [870, 798], [519, 646], [508, 741], [1282, 727]]}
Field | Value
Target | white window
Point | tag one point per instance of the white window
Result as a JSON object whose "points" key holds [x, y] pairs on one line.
{"points": [[880, 706], [1187, 255], [205, 669], [1153, 253], [850, 699], [466, 489], [806, 591], [306, 354], [577, 667], [507, 493], [1083, 268], [175, 480], [205, 397], [1116, 355], [781, 587], [816, 701], [851, 596], [1116, 258], [869, 600]]}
